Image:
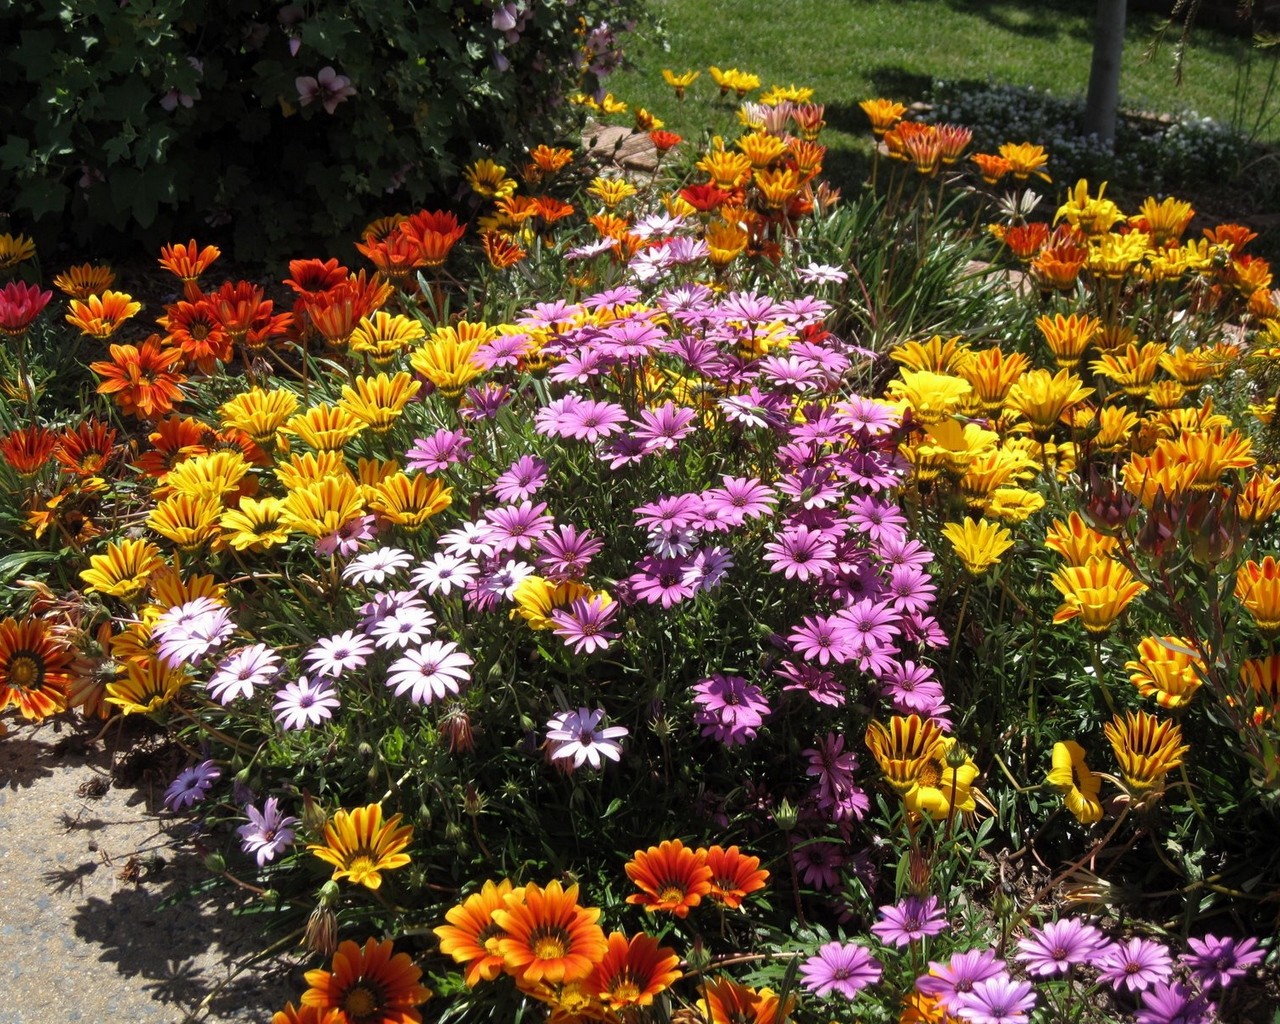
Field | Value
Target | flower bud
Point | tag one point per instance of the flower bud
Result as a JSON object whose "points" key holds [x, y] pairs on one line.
{"points": [[786, 815], [215, 862]]}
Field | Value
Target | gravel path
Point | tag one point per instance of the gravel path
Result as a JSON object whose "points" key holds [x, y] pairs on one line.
{"points": [[98, 921]]}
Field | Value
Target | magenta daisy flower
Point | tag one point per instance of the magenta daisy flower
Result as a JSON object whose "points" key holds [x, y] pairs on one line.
{"points": [[1135, 964], [268, 833], [444, 572], [1059, 946], [867, 414], [242, 671], [577, 735], [661, 429], [376, 566], [822, 685], [438, 452], [800, 553], [730, 708], [997, 1000], [484, 402], [191, 786], [566, 552], [504, 350], [336, 655], [660, 581], [518, 526], [909, 920], [822, 638], [1171, 1002], [910, 588], [582, 419], [832, 768], [670, 514], [522, 480], [948, 982], [429, 673], [302, 704], [583, 625], [894, 551], [912, 688], [843, 967], [742, 498], [1217, 961]]}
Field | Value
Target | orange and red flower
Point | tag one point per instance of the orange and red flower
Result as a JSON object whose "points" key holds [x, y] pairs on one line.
{"points": [[734, 875], [28, 449], [471, 935], [633, 971], [142, 380], [33, 669], [369, 985], [549, 937], [671, 876]]}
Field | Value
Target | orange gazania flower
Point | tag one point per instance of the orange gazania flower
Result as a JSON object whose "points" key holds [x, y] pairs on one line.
{"points": [[33, 669], [672, 877], [309, 278], [85, 450], [734, 875], [434, 233], [726, 1002], [991, 167], [188, 262], [550, 160], [500, 250], [28, 449], [395, 257], [633, 971], [471, 935], [308, 1015], [549, 937], [664, 140], [194, 328], [85, 279], [550, 209], [1026, 240], [100, 316], [337, 312], [142, 380], [369, 985], [174, 439]]}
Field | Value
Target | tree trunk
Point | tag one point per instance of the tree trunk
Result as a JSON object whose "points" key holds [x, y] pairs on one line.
{"points": [[1103, 99]]}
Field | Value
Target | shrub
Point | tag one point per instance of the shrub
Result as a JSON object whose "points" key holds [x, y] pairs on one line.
{"points": [[280, 122]]}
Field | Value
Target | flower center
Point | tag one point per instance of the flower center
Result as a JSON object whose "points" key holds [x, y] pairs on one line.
{"points": [[549, 947], [671, 893], [24, 672], [361, 1003]]}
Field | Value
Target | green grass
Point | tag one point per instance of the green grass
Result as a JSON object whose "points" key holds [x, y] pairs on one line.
{"points": [[849, 50]]}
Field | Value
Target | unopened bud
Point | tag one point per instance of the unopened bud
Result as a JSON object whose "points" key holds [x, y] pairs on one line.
{"points": [[786, 815], [313, 815], [215, 862]]}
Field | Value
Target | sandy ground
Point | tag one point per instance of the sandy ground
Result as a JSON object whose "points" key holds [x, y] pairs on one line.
{"points": [[100, 915]]}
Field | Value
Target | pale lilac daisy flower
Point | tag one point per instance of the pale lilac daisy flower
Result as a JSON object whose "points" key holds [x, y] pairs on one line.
{"points": [[1217, 961], [843, 967], [522, 480], [909, 920], [338, 654], [947, 982], [191, 786], [821, 273], [577, 735], [501, 581], [1135, 964], [268, 833], [405, 627], [443, 572], [429, 673], [302, 704], [997, 1000], [470, 540], [438, 452], [376, 566], [242, 671], [189, 631], [730, 708], [1058, 946], [381, 605], [707, 568]]}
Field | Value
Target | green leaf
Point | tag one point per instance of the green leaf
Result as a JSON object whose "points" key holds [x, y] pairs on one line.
{"points": [[13, 564]]}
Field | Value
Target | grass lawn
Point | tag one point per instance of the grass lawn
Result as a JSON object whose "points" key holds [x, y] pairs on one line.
{"points": [[849, 50]]}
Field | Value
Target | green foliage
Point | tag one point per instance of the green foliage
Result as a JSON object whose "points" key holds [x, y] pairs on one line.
{"points": [[141, 117]]}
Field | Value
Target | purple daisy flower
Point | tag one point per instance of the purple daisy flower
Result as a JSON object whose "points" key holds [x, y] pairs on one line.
{"points": [[800, 553], [348, 537], [660, 581], [707, 568], [302, 704], [909, 920], [522, 480], [242, 671], [818, 861], [583, 625], [577, 735], [566, 552], [438, 452], [832, 768], [843, 967], [730, 708], [518, 526], [191, 786], [430, 672], [997, 1000], [1217, 961], [947, 982], [1135, 964], [1171, 1002], [268, 832], [822, 638], [1059, 946], [336, 655], [662, 428], [484, 402], [820, 684]]}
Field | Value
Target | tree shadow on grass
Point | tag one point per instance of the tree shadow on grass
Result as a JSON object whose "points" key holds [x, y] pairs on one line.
{"points": [[1045, 19]]}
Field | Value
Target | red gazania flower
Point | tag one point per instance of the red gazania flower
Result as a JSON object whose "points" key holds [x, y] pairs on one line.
{"points": [[20, 304], [394, 257], [704, 198], [246, 316], [85, 450], [309, 278], [33, 669], [633, 971], [188, 262], [734, 875], [142, 380], [369, 985], [194, 328], [664, 140], [551, 209], [336, 313], [174, 439], [28, 449], [672, 877], [548, 936], [1025, 240], [434, 233], [501, 251]]}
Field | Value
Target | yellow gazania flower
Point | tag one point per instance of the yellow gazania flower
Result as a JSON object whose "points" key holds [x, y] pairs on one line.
{"points": [[958, 446], [740, 82], [122, 571], [1025, 160], [938, 355], [940, 789], [409, 501], [1041, 398], [991, 373], [15, 250], [255, 525], [727, 170], [1212, 453], [445, 358], [324, 427], [646, 122], [146, 687], [760, 148], [1259, 499], [932, 397], [1068, 336], [535, 598], [979, 544], [786, 94], [1262, 677], [190, 522], [1193, 367], [884, 114], [991, 470], [169, 589], [259, 413], [1014, 504], [610, 104], [778, 187], [360, 845], [1076, 541], [725, 241], [902, 747], [1096, 593], [611, 191], [214, 475], [319, 508], [378, 401], [1091, 214], [1164, 219], [300, 470], [489, 179], [85, 279], [100, 316], [1079, 786], [679, 82], [1145, 747], [1166, 394], [1258, 589], [1167, 669], [1115, 424], [1115, 256], [1133, 369]]}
